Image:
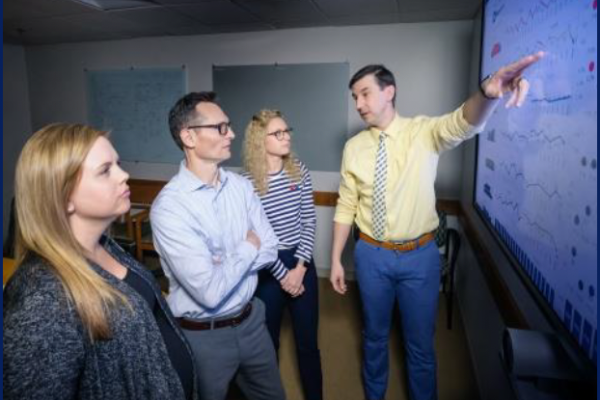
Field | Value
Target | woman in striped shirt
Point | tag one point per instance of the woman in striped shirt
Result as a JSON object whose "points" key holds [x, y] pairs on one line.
{"points": [[284, 186]]}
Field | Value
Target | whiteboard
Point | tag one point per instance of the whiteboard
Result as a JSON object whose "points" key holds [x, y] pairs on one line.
{"points": [[133, 104], [312, 97]]}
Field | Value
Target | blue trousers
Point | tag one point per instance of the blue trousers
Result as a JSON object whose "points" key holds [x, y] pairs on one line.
{"points": [[412, 279], [304, 311]]}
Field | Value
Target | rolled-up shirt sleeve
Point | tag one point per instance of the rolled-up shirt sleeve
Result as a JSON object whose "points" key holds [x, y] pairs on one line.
{"points": [[206, 276], [347, 204], [450, 130]]}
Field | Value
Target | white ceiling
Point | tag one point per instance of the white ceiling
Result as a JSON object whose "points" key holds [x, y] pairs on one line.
{"points": [[31, 22]]}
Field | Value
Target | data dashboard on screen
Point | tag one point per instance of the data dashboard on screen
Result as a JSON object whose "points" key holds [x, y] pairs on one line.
{"points": [[536, 179]]}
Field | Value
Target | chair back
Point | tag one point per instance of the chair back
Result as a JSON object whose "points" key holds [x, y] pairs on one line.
{"points": [[441, 233]]}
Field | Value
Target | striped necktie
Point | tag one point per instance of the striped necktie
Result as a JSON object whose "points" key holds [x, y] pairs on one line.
{"points": [[379, 210]]}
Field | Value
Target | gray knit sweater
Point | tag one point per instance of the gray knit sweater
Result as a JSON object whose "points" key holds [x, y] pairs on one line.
{"points": [[47, 354]]}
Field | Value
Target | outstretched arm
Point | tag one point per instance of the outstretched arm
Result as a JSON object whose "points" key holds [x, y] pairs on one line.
{"points": [[508, 79]]}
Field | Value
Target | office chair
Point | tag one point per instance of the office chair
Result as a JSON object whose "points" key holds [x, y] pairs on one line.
{"points": [[143, 234], [448, 241]]}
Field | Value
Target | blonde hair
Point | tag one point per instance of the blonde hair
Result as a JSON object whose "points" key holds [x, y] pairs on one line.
{"points": [[255, 154], [48, 171]]}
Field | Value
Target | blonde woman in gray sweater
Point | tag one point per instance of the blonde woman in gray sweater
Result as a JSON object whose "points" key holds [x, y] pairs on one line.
{"points": [[82, 319]]}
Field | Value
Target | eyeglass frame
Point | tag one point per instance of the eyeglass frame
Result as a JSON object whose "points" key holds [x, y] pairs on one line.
{"points": [[280, 132], [218, 127]]}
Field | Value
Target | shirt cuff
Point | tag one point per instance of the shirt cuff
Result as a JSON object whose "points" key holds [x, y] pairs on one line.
{"points": [[343, 217], [278, 270], [465, 126], [303, 258]]}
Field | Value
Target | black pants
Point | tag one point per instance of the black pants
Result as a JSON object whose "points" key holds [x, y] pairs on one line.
{"points": [[304, 311]]}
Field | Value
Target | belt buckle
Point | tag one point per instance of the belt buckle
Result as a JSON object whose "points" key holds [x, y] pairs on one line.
{"points": [[406, 246], [236, 321]]}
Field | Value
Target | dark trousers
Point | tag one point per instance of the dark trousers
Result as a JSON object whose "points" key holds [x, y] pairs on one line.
{"points": [[304, 311]]}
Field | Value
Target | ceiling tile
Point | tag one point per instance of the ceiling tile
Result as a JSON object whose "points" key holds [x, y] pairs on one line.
{"points": [[106, 22], [188, 2], [356, 8], [53, 30], [18, 9], [196, 29], [70, 38], [43, 26], [301, 24], [441, 15], [246, 27], [434, 6], [284, 11], [155, 17], [58, 21], [371, 19], [216, 13]]}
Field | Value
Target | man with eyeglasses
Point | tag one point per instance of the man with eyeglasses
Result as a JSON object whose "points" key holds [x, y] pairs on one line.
{"points": [[213, 237]]}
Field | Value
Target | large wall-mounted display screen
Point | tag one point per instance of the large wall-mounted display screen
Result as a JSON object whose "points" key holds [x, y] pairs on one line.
{"points": [[537, 166]]}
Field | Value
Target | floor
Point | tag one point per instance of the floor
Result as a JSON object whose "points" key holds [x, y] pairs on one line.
{"points": [[339, 339]]}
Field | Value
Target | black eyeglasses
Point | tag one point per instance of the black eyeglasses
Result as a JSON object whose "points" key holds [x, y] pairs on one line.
{"points": [[223, 128], [281, 132]]}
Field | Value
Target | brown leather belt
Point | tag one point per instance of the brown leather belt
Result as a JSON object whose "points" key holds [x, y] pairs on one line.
{"points": [[409, 245], [192, 325]]}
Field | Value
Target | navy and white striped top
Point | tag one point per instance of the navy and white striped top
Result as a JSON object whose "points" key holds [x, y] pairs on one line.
{"points": [[291, 211]]}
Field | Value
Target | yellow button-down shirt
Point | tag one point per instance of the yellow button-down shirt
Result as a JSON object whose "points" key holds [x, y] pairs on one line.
{"points": [[413, 146]]}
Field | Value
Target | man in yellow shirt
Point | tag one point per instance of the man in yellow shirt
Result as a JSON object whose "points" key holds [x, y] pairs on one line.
{"points": [[387, 189]]}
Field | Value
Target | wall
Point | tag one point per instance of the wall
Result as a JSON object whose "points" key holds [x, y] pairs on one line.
{"points": [[430, 61], [16, 121]]}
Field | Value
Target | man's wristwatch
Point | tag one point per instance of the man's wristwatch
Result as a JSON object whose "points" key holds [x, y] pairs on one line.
{"points": [[483, 91]]}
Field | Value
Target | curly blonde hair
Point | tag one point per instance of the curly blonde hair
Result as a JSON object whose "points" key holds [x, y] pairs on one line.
{"points": [[255, 154]]}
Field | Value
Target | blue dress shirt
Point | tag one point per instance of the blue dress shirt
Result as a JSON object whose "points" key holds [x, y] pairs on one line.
{"points": [[200, 231]]}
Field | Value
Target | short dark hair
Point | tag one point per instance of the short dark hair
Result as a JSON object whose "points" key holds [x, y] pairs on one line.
{"points": [[185, 110], [382, 75]]}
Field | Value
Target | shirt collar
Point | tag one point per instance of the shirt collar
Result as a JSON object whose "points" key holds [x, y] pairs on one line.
{"points": [[393, 130], [190, 182]]}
